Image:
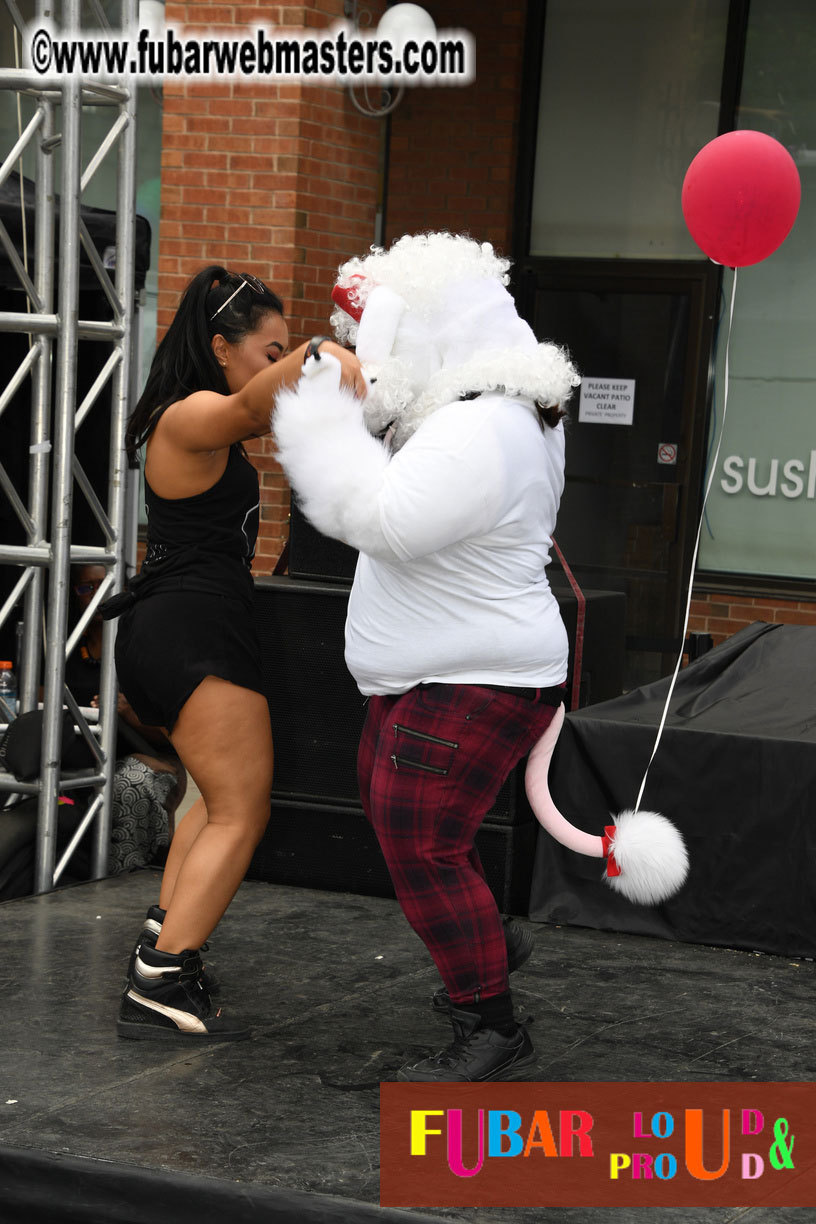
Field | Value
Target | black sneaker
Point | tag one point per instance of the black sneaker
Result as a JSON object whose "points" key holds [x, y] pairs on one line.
{"points": [[520, 943], [476, 1055], [150, 933], [166, 999]]}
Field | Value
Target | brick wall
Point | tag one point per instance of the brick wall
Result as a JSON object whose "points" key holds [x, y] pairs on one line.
{"points": [[277, 179], [452, 157], [724, 613]]}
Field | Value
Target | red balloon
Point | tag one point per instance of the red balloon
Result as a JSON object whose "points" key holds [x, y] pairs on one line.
{"points": [[740, 198]]}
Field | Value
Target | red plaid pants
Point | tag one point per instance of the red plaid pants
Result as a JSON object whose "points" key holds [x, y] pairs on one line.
{"points": [[430, 764]]}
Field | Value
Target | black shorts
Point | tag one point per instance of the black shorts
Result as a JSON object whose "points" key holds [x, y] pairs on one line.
{"points": [[168, 642]]}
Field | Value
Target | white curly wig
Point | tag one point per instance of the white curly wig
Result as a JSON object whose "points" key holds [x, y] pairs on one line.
{"points": [[419, 267], [438, 323]]}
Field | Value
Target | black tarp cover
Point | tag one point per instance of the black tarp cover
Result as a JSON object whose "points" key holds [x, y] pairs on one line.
{"points": [[101, 225], [736, 773]]}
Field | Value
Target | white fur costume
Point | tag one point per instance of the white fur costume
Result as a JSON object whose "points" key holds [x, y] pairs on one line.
{"points": [[435, 322]]}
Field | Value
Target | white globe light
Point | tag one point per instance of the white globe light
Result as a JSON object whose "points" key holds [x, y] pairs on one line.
{"points": [[405, 21]]}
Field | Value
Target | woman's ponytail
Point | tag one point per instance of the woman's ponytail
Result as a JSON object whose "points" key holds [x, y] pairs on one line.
{"points": [[184, 361]]}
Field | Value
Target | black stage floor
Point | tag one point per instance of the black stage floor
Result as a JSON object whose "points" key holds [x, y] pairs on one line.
{"points": [[285, 1127]]}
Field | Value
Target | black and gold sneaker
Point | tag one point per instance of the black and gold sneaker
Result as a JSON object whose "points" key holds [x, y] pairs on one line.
{"points": [[166, 999], [151, 930], [477, 1055]]}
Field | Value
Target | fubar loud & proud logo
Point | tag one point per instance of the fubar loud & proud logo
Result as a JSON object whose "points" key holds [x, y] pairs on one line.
{"points": [[598, 1144]]}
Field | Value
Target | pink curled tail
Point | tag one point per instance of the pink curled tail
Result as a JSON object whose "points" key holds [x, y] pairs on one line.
{"points": [[538, 792]]}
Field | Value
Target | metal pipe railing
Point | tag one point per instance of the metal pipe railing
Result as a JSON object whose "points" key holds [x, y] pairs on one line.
{"points": [[55, 419], [51, 325], [39, 452], [62, 478], [118, 469]]}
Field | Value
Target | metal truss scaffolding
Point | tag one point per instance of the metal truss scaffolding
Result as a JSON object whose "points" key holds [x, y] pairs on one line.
{"points": [[51, 361]]}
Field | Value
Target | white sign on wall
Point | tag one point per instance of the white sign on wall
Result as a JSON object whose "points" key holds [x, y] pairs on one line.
{"points": [[607, 401]]}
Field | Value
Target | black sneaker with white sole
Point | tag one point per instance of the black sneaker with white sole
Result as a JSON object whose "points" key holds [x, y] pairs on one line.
{"points": [[477, 1055], [166, 999], [150, 934], [520, 943]]}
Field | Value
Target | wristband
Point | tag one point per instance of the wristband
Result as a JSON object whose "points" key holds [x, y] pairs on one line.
{"points": [[313, 348]]}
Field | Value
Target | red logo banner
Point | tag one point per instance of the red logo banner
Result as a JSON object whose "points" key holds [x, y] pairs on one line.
{"points": [[598, 1145]]}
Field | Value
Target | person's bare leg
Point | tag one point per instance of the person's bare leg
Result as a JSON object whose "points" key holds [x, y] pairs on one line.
{"points": [[187, 830], [224, 740]]}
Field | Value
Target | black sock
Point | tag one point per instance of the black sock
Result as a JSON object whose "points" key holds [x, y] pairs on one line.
{"points": [[494, 1013]]}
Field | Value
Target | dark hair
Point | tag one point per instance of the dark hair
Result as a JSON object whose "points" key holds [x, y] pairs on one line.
{"points": [[549, 414], [184, 361]]}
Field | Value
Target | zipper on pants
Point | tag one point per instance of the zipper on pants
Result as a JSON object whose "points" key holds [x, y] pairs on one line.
{"points": [[434, 769], [422, 735]]}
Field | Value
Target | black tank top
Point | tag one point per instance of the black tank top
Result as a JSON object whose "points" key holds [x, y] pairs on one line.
{"points": [[222, 519], [205, 542]]}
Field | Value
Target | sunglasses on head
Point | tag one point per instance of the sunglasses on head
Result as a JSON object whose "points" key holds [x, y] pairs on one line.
{"points": [[257, 286]]}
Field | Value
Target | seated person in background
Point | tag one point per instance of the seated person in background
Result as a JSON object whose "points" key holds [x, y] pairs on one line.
{"points": [[149, 781]]}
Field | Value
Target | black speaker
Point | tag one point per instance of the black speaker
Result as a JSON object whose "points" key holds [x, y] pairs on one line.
{"points": [[333, 847], [18, 846], [314, 556], [316, 709]]}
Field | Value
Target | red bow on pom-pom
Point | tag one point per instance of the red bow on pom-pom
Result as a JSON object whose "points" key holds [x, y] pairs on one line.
{"points": [[612, 868]]}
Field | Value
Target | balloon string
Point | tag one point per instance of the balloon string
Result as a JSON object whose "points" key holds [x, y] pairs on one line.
{"points": [[709, 483]]}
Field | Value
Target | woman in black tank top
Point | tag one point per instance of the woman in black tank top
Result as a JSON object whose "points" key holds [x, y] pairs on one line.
{"points": [[187, 653]]}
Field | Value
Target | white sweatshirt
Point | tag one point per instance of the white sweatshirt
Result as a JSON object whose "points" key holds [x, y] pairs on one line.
{"points": [[454, 589]]}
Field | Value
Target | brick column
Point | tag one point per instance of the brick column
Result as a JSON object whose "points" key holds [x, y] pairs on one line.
{"points": [[277, 179]]}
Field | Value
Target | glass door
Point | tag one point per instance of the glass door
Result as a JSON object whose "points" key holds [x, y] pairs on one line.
{"points": [[635, 435]]}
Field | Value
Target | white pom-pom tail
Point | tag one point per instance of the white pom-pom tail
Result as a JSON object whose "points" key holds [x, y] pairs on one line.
{"points": [[651, 855], [645, 847]]}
